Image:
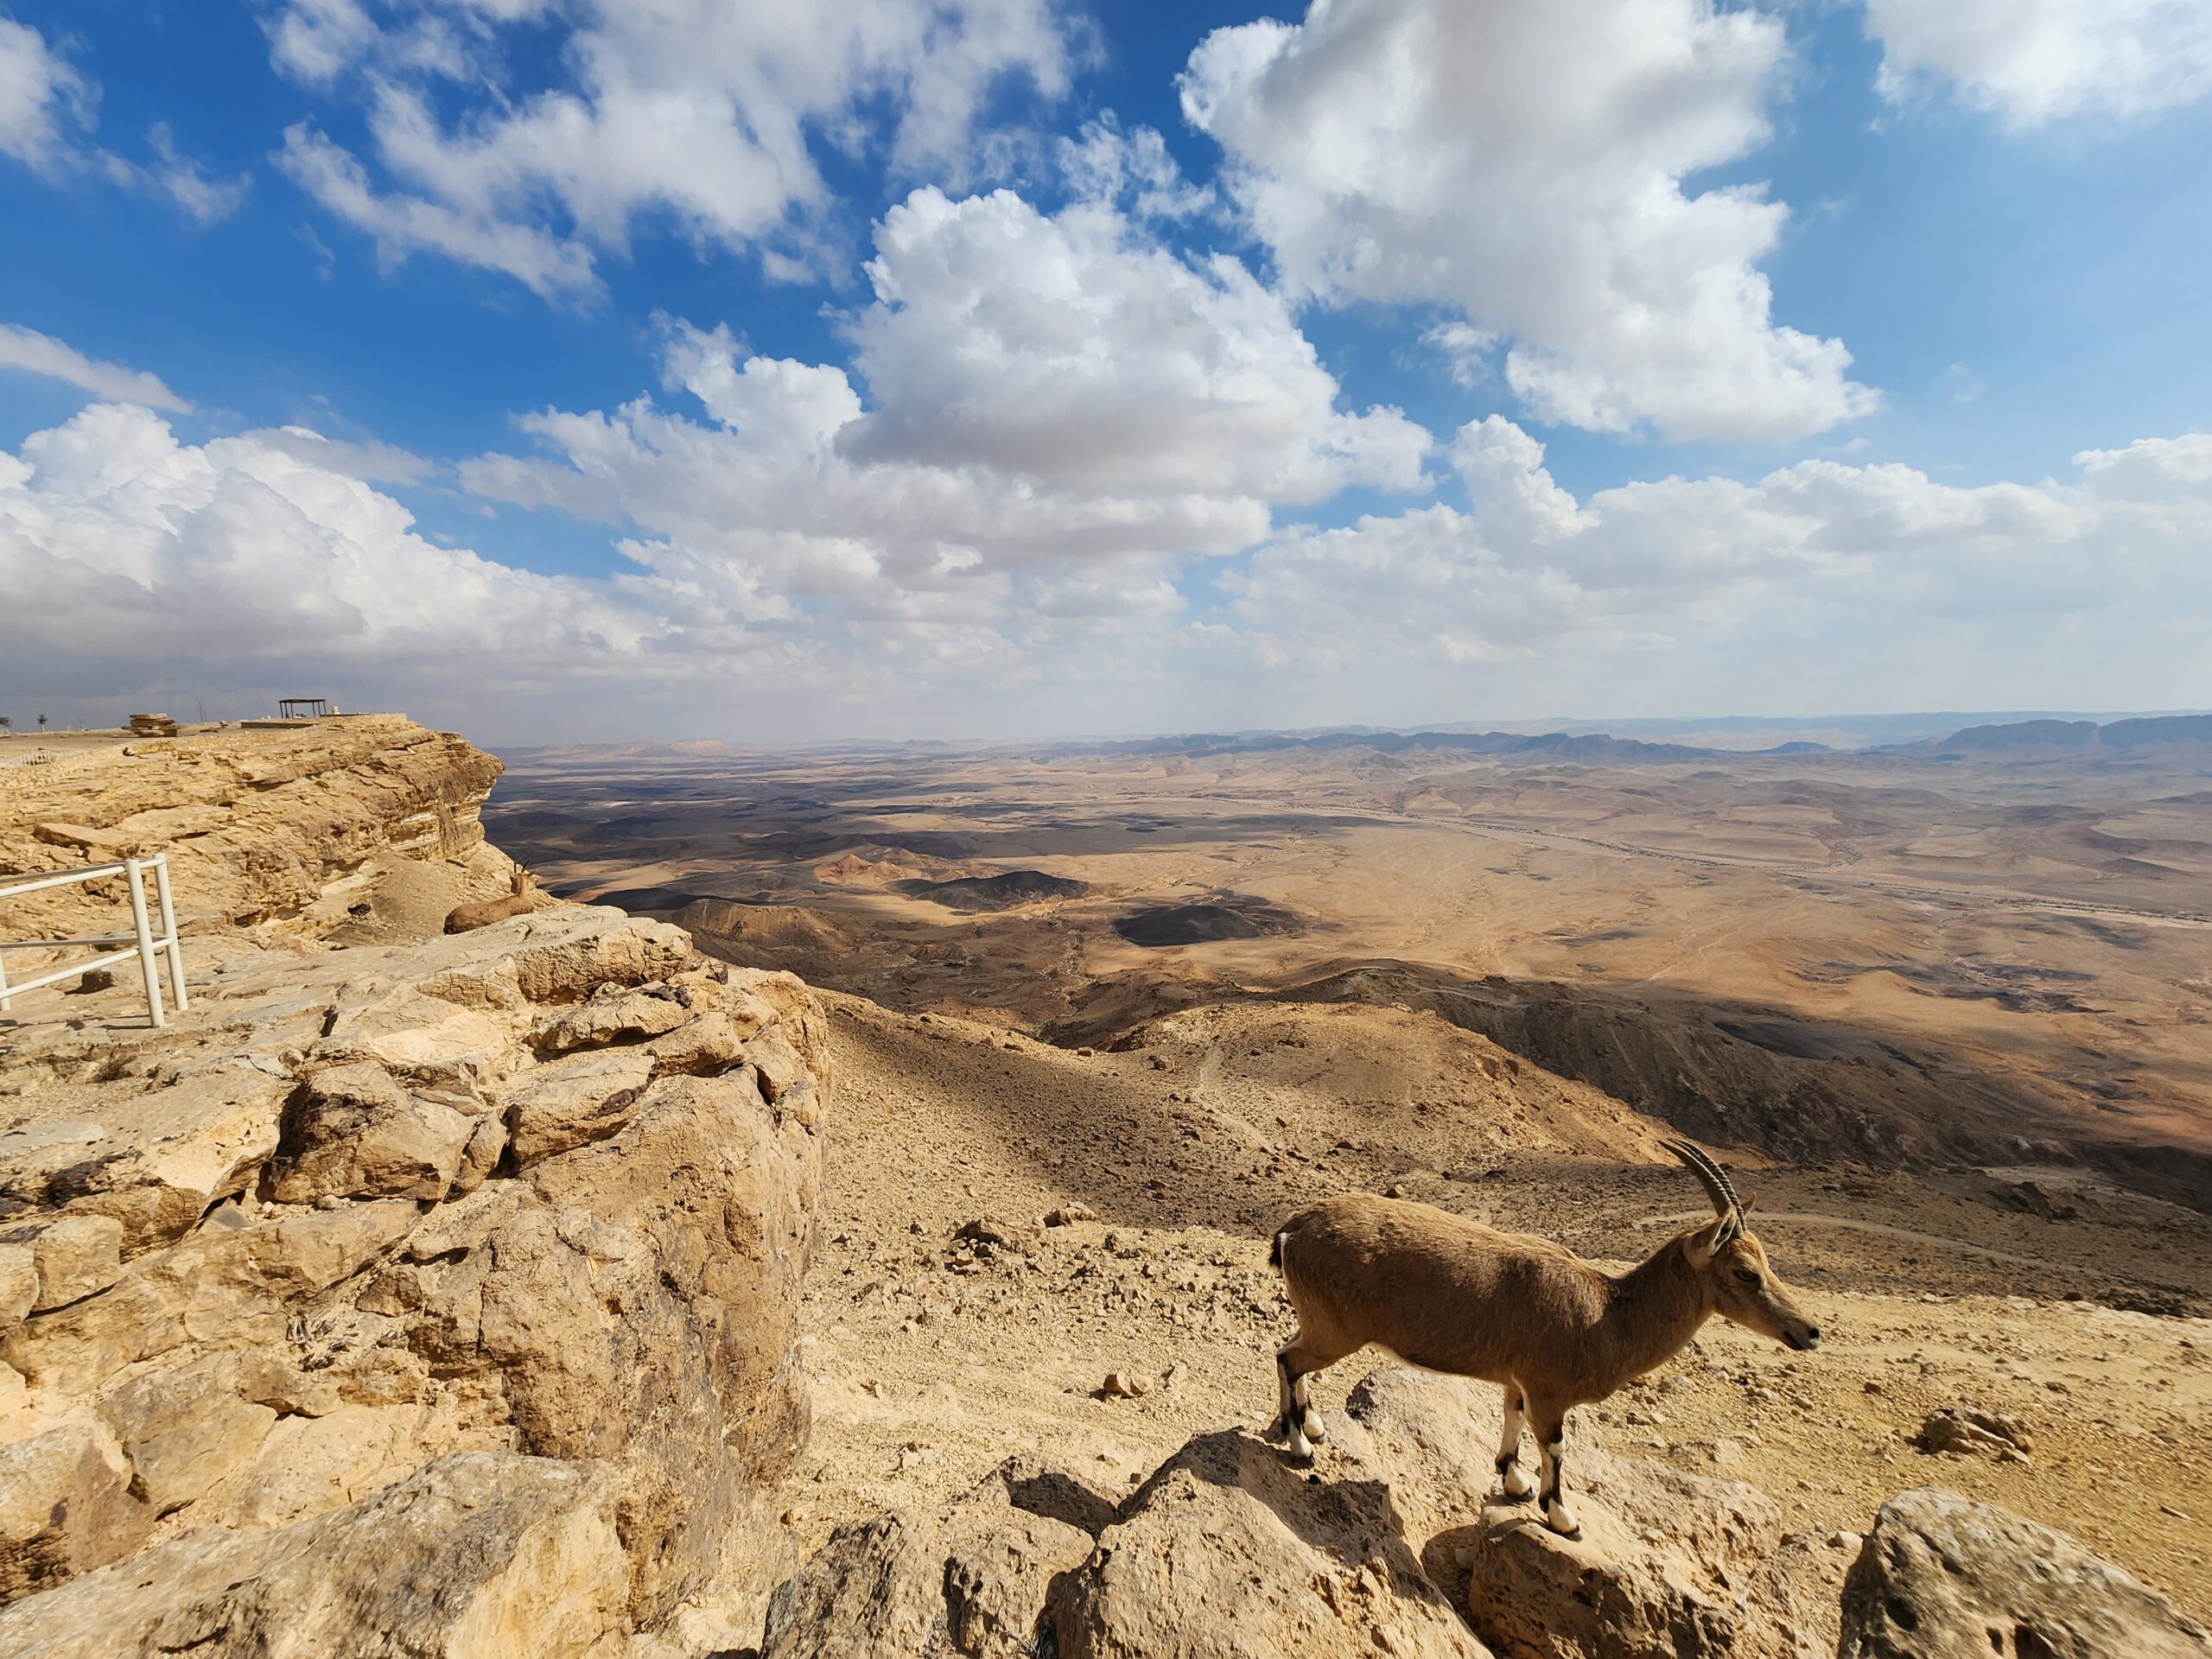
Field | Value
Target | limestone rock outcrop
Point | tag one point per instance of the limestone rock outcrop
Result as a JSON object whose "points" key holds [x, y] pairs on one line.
{"points": [[481, 1253], [1941, 1577], [1229, 1550], [284, 829]]}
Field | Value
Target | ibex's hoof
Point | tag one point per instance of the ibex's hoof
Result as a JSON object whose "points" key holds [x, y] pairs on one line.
{"points": [[1557, 1519], [1517, 1485]]}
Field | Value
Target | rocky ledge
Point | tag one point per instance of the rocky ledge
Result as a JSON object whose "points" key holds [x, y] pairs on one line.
{"points": [[1228, 1551], [436, 1298]]}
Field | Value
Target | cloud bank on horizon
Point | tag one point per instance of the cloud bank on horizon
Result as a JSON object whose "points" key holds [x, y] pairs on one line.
{"points": [[908, 366]]}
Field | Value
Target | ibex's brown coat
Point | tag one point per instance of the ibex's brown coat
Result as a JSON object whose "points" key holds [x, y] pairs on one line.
{"points": [[466, 919], [1452, 1295]]}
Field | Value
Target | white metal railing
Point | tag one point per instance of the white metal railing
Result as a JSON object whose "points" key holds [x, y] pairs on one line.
{"points": [[141, 942]]}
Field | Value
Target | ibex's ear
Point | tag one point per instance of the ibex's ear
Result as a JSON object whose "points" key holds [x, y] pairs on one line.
{"points": [[1711, 1239]]}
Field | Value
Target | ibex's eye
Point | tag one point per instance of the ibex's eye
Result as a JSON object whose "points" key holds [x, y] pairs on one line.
{"points": [[1748, 1275]]}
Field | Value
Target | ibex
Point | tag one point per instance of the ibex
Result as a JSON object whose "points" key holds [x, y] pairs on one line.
{"points": [[1449, 1294], [465, 919]]}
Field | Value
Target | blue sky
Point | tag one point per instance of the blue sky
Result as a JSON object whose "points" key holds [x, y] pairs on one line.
{"points": [[920, 367]]}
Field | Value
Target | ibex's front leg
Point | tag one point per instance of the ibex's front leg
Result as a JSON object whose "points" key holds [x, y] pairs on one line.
{"points": [[1295, 1362], [1550, 1423], [1511, 1479]]}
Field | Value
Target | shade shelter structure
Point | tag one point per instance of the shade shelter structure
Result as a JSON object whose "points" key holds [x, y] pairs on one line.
{"points": [[302, 707]]}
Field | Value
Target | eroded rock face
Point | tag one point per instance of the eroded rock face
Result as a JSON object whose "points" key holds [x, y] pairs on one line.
{"points": [[482, 1556], [355, 1257], [1941, 1577]]}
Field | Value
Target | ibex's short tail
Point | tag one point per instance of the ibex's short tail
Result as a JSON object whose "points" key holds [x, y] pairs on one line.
{"points": [[1274, 1251]]}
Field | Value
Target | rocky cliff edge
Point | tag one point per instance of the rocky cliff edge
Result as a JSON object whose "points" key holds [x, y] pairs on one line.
{"points": [[444, 1288]]}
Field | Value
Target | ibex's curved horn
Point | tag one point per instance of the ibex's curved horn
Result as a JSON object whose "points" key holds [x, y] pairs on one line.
{"points": [[1718, 1187]]}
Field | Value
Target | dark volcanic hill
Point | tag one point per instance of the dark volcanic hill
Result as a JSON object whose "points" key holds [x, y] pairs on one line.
{"points": [[1000, 891], [1204, 924]]}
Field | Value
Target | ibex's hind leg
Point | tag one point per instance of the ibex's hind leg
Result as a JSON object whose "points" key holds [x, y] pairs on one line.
{"points": [[1295, 1361], [1512, 1479], [1550, 1425]]}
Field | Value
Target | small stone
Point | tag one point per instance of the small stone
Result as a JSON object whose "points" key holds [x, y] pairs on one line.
{"points": [[1843, 1539], [1125, 1385], [1067, 1215]]}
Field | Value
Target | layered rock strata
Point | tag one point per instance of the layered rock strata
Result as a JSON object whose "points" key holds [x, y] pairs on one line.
{"points": [[286, 831]]}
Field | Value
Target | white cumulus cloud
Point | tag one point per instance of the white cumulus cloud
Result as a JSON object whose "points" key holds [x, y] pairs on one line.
{"points": [[1819, 575], [702, 112], [1059, 410], [228, 559], [2034, 62], [1077, 354], [1524, 166]]}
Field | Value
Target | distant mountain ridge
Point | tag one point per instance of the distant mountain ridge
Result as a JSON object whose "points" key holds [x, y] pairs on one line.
{"points": [[1561, 746], [2073, 736], [2035, 735]]}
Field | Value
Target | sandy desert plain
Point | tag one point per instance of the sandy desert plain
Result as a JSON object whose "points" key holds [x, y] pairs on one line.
{"points": [[1947, 1008]]}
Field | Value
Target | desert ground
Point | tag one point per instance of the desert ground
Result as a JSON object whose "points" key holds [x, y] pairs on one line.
{"points": [[1950, 1016], [1879, 955]]}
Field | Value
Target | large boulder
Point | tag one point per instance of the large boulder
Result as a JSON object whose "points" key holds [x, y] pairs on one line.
{"points": [[73, 1257], [973, 1577], [1669, 1565], [485, 1555], [1229, 1552], [1941, 1577]]}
